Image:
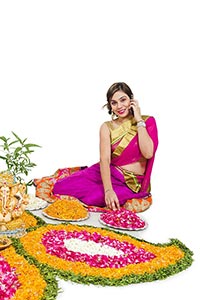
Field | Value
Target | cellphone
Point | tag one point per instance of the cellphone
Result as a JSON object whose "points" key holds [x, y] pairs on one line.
{"points": [[132, 111]]}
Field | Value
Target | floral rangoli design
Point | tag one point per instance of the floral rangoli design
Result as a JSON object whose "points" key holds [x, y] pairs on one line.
{"points": [[83, 254]]}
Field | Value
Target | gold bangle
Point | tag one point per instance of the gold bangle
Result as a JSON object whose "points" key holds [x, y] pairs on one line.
{"points": [[107, 190]]}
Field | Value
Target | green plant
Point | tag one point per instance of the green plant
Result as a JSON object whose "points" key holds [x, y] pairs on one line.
{"points": [[16, 154]]}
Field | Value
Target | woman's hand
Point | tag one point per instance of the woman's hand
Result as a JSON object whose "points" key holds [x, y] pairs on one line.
{"points": [[111, 200], [137, 113]]}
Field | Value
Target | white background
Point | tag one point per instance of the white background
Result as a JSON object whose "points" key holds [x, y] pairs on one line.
{"points": [[57, 60]]}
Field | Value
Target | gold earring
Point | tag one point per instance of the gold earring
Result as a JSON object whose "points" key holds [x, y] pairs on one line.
{"points": [[113, 116]]}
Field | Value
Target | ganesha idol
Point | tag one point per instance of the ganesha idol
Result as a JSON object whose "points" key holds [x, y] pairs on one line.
{"points": [[13, 200]]}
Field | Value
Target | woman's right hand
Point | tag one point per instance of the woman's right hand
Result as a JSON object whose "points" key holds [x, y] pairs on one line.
{"points": [[111, 200]]}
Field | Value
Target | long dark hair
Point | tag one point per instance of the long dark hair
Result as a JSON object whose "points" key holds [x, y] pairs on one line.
{"points": [[115, 87]]}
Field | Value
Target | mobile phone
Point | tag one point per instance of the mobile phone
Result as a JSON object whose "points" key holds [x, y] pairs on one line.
{"points": [[132, 111]]}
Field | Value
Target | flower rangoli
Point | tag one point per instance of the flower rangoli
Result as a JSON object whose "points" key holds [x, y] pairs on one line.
{"points": [[78, 253], [83, 254]]}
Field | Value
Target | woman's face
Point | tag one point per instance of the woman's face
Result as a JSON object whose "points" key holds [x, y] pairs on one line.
{"points": [[120, 104]]}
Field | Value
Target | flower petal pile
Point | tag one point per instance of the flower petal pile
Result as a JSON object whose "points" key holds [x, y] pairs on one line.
{"points": [[122, 219], [35, 203], [71, 210]]}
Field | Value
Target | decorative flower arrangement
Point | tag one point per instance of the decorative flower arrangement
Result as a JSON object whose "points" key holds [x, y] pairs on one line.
{"points": [[93, 249], [122, 219], [101, 256], [19, 279], [82, 254], [71, 210], [15, 269]]}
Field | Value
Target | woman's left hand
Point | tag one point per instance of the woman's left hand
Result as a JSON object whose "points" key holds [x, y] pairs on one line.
{"points": [[136, 109]]}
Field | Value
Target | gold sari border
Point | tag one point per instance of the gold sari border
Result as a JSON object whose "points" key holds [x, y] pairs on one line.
{"points": [[128, 135]]}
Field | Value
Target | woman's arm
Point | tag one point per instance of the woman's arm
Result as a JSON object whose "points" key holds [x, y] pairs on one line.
{"points": [[144, 139], [145, 143], [111, 199]]}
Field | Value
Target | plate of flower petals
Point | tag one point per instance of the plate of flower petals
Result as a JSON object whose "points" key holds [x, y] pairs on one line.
{"points": [[35, 203], [66, 210], [122, 219], [65, 219]]}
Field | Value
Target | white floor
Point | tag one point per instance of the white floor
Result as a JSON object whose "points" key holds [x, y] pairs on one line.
{"points": [[164, 224]]}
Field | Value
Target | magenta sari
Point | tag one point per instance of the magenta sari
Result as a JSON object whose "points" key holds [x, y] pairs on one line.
{"points": [[86, 184]]}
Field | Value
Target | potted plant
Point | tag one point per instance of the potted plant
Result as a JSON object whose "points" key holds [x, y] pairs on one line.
{"points": [[16, 154]]}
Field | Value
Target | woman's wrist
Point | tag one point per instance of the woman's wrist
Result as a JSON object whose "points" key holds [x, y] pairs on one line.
{"points": [[140, 120], [107, 190], [141, 123]]}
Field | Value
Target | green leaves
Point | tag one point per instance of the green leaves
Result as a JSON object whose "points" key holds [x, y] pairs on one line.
{"points": [[16, 155]]}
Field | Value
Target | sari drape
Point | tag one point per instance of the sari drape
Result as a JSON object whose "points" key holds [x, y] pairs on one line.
{"points": [[127, 151], [86, 184]]}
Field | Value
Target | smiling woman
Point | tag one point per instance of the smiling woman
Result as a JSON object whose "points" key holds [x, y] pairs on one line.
{"points": [[128, 144]]}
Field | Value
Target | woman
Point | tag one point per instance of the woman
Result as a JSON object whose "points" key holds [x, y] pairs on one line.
{"points": [[127, 149]]}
